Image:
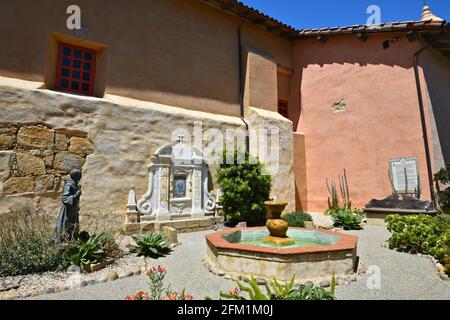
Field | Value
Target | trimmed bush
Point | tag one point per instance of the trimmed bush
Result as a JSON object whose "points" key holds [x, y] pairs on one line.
{"points": [[297, 218], [245, 189], [421, 234]]}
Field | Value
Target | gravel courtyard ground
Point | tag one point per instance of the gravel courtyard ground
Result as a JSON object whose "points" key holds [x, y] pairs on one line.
{"points": [[403, 276]]}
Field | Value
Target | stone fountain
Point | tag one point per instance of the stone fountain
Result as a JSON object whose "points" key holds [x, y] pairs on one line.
{"points": [[280, 251], [277, 226]]}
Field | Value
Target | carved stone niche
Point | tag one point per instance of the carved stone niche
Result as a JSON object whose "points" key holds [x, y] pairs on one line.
{"points": [[178, 185]]}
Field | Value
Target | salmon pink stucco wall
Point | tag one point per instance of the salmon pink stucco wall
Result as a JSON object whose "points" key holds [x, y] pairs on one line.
{"points": [[381, 121]]}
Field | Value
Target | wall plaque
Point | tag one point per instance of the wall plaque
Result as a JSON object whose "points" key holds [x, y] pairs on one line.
{"points": [[405, 174]]}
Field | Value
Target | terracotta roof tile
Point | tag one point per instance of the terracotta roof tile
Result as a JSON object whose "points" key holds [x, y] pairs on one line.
{"points": [[257, 17], [384, 27]]}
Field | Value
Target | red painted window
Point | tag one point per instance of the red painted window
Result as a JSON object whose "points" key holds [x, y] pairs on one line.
{"points": [[283, 108], [75, 70]]}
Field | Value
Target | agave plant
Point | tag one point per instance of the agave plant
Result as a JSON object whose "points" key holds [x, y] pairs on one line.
{"points": [[151, 244], [86, 250], [347, 219]]}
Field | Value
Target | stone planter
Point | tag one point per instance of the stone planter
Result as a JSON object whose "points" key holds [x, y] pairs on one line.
{"points": [[93, 267]]}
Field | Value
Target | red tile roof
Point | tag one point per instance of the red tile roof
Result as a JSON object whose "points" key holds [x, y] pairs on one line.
{"points": [[381, 28], [254, 16], [257, 17]]}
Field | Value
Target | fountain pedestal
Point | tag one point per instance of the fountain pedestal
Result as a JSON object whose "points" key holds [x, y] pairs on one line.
{"points": [[277, 226]]}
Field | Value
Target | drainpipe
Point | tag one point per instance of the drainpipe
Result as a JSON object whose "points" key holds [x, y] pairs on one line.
{"points": [[422, 114], [241, 90]]}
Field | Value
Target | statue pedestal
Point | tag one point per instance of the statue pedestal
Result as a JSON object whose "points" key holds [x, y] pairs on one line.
{"points": [[280, 242]]}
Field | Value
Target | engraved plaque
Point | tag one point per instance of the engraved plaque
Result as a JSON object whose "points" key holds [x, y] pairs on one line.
{"points": [[405, 174]]}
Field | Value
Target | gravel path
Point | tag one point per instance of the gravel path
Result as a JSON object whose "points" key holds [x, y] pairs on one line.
{"points": [[403, 276]]}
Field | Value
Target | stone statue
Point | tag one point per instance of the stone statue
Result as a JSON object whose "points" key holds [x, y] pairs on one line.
{"points": [[67, 225]]}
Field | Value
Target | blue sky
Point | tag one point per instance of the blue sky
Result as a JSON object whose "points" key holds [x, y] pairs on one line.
{"points": [[327, 13]]}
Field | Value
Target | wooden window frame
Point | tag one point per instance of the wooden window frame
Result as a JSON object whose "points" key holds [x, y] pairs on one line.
{"points": [[283, 108], [92, 72]]}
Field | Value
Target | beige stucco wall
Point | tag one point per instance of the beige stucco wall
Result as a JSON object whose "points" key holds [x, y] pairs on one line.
{"points": [[381, 121], [177, 52], [280, 164], [124, 133]]}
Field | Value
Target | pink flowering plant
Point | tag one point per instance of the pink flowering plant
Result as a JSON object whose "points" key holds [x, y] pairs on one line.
{"points": [[157, 289]]}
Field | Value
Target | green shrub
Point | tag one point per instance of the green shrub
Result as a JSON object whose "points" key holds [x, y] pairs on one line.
{"points": [[297, 219], [421, 234], [30, 256], [348, 219], [150, 245], [245, 189], [276, 291], [26, 242]]}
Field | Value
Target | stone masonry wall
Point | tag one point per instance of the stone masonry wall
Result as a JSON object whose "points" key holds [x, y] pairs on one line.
{"points": [[34, 158]]}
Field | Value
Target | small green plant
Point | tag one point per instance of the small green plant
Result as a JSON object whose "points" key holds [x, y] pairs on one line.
{"points": [[297, 219], [86, 250], [151, 244], [347, 219], [276, 291], [245, 189]]}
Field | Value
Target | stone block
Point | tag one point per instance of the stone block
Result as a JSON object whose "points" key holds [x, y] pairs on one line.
{"points": [[35, 137], [171, 234], [6, 142], [148, 227], [206, 223], [5, 160], [44, 183], [192, 223], [81, 146], [132, 217], [179, 224], [48, 161], [61, 142], [66, 161], [8, 128], [71, 133], [29, 165], [17, 185]]}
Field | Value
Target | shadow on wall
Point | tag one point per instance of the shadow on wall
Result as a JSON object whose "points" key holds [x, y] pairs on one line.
{"points": [[437, 76]]}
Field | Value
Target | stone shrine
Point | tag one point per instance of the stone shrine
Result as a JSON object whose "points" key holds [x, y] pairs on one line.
{"points": [[178, 187]]}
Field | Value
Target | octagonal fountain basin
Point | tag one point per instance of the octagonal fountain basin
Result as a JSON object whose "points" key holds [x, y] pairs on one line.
{"points": [[314, 255]]}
